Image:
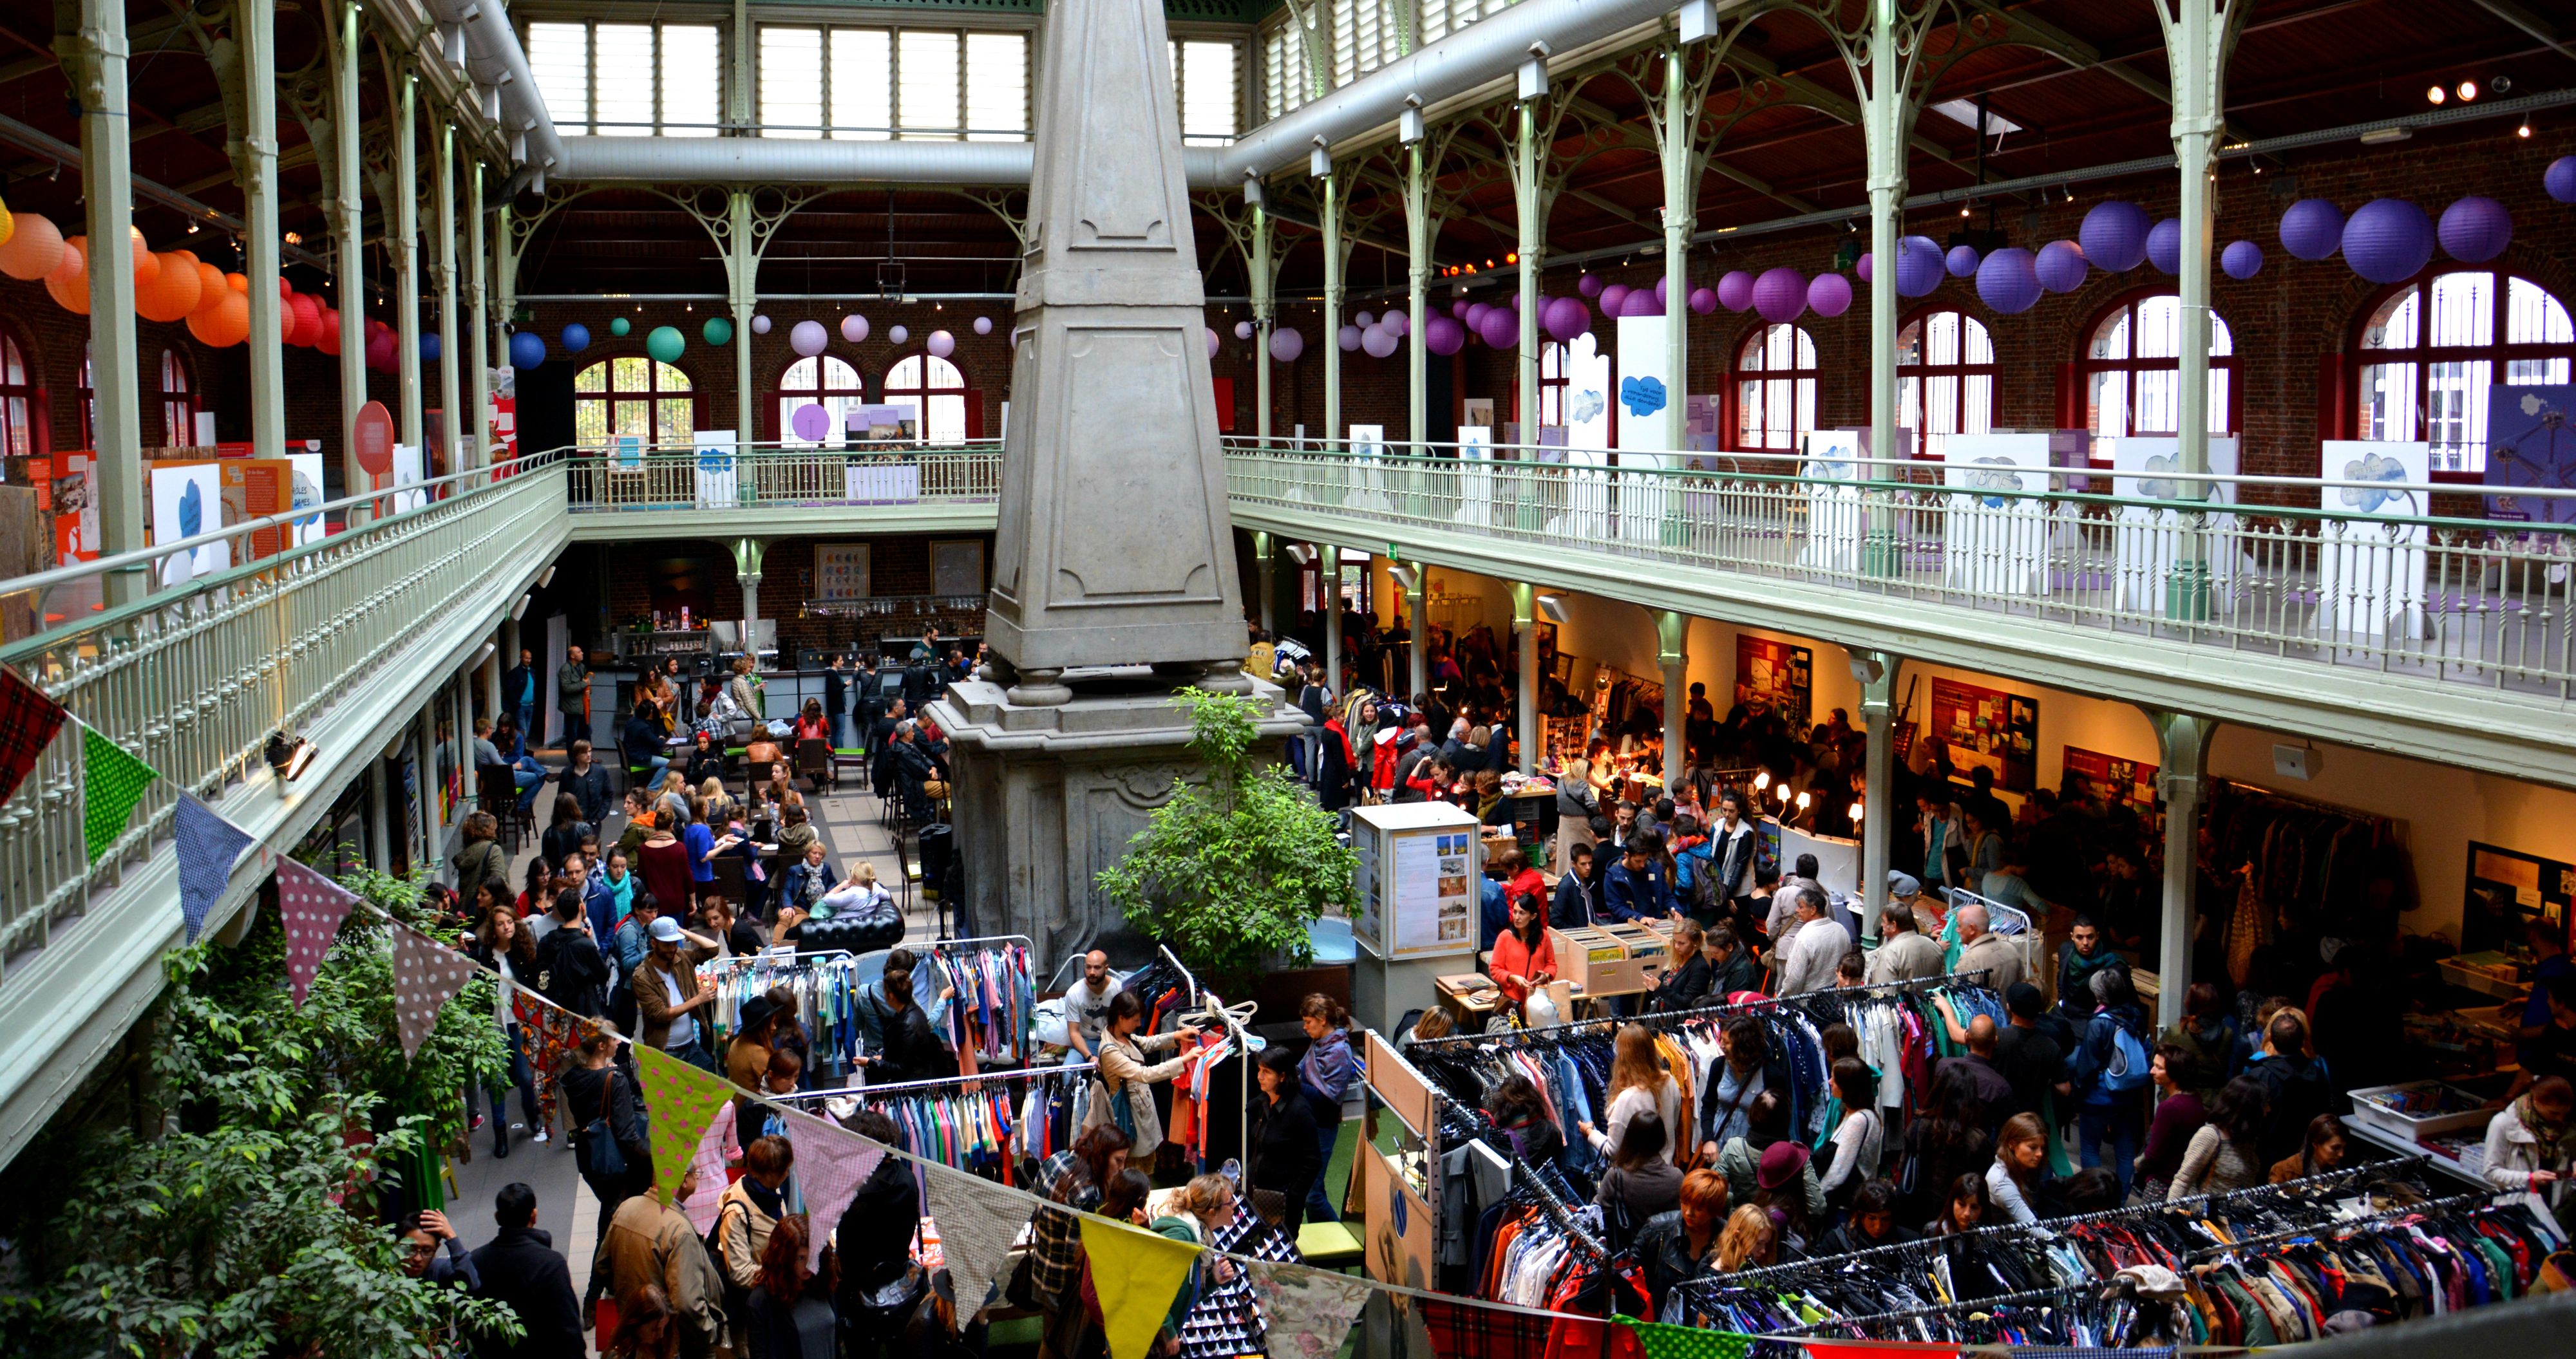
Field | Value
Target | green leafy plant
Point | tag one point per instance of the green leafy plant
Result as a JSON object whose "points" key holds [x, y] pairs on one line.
{"points": [[1237, 864], [251, 1224]]}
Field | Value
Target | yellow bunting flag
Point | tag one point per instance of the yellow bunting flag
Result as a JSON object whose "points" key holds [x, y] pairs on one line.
{"points": [[1137, 1274], [683, 1100]]}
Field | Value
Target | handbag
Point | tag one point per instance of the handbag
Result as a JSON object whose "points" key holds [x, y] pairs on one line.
{"points": [[598, 1148]]}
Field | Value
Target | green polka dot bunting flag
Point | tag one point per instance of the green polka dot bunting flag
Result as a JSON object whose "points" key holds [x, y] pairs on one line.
{"points": [[683, 1100], [1687, 1342], [111, 783]]}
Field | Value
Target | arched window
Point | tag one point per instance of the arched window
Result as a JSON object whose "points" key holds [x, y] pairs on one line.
{"points": [[934, 388], [1945, 378], [17, 400], [1775, 388], [820, 381], [2132, 370], [2425, 369], [178, 402], [632, 396]]}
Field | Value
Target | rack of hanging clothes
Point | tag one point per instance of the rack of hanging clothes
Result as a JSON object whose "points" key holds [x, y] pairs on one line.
{"points": [[825, 984], [992, 1018], [986, 1124], [2283, 856], [1899, 1032]]}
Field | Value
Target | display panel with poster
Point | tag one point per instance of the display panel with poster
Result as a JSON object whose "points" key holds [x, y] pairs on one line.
{"points": [[719, 476], [1836, 518], [2531, 443], [1419, 868], [307, 494], [2507, 887], [1995, 532], [1775, 677], [74, 493], [2370, 577], [2146, 540], [1477, 410], [257, 488], [188, 499], [2111, 778], [841, 573], [1989, 728], [408, 471]]}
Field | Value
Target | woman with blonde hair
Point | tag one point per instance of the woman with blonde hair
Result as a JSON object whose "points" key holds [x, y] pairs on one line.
{"points": [[2020, 1168], [1638, 1084], [1748, 1241], [1201, 1209]]}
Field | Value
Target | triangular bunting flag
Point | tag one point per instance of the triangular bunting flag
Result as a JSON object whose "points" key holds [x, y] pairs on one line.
{"points": [[831, 1163], [208, 847], [710, 1162], [28, 721], [312, 907], [1890, 1349], [427, 974], [1306, 1311], [1687, 1342], [684, 1100], [112, 781], [978, 1220], [1137, 1274]]}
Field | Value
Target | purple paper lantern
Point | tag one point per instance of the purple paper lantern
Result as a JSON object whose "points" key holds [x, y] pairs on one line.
{"points": [[1396, 324], [855, 328], [1460, 308], [1961, 261], [1779, 295], [941, 344], [1829, 294], [1735, 291], [2164, 245], [1703, 300], [2560, 179], [1589, 285], [1243, 330], [1348, 338], [2312, 229], [1476, 313], [2388, 240], [1376, 343], [1286, 344], [2061, 266], [2475, 230], [2114, 236], [1640, 302], [1918, 266], [1663, 294], [2241, 260], [2008, 280], [984, 326], [811, 422], [809, 338], [1364, 320], [1614, 300], [898, 335], [1566, 317], [760, 324], [1502, 330], [1213, 342], [1866, 268], [1444, 335]]}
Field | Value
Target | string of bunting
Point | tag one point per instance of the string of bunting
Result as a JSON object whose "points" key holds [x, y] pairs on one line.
{"points": [[1138, 1272]]}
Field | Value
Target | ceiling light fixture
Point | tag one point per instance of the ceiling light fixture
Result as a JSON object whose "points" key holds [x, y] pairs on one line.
{"points": [[2524, 130], [2435, 95], [2468, 90]]}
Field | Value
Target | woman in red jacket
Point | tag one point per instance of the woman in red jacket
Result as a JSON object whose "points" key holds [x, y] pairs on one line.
{"points": [[1522, 957]]}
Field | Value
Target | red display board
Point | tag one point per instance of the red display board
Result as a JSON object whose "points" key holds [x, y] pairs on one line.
{"points": [[1991, 728]]}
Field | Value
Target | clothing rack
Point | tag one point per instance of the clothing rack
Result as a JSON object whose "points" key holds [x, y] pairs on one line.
{"points": [[1969, 1307], [2475, 1198], [1554, 1206], [1015, 1074], [2315, 805], [1678, 1017]]}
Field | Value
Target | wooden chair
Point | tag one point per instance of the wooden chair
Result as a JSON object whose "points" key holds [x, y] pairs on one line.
{"points": [[497, 792], [814, 761], [730, 878]]}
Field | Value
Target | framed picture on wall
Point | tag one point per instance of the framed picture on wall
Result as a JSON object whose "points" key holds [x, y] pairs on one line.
{"points": [[957, 566], [841, 573]]}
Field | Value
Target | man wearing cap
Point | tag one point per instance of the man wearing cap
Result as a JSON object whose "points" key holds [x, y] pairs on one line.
{"points": [[1903, 954], [667, 995]]}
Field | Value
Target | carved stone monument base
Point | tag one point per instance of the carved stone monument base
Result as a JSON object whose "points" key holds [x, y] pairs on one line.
{"points": [[1047, 795]]}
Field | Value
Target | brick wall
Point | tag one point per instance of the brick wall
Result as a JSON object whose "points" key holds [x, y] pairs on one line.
{"points": [[53, 342]]}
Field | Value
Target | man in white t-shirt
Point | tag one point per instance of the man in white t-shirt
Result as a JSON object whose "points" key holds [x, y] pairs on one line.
{"points": [[1086, 1006]]}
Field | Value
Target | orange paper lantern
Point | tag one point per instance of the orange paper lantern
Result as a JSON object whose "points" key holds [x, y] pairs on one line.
{"points": [[147, 266], [34, 250], [210, 287], [171, 295], [68, 284], [225, 324]]}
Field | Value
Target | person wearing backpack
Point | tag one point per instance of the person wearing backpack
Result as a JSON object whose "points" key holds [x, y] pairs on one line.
{"points": [[2112, 1068]]}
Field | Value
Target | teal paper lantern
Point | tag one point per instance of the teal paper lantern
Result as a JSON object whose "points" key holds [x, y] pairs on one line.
{"points": [[718, 331], [620, 326], [665, 344]]}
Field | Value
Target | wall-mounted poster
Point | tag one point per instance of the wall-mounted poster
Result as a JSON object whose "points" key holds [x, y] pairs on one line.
{"points": [[1477, 410], [2531, 442], [2110, 777], [1991, 728], [188, 499], [1775, 676], [306, 495], [2507, 887], [841, 573]]}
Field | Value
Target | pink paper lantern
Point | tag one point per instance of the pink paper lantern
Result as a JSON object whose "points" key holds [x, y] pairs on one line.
{"points": [[1589, 285], [898, 335], [1286, 344], [1661, 284], [1475, 314], [1376, 343], [1243, 330], [855, 328], [1614, 299], [1640, 302], [809, 338], [983, 325], [941, 344], [1395, 323], [1829, 294], [760, 324], [1780, 295]]}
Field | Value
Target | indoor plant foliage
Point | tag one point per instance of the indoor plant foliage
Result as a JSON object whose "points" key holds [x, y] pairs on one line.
{"points": [[1234, 867], [251, 1223]]}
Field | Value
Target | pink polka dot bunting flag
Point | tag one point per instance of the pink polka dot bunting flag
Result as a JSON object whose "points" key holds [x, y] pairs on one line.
{"points": [[427, 974], [831, 1163], [313, 907]]}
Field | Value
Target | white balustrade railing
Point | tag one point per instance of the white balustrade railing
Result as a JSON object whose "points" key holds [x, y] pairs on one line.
{"points": [[771, 476], [2458, 598], [244, 632]]}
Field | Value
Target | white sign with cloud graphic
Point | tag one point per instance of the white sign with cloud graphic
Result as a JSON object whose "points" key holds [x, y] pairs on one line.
{"points": [[1993, 540], [1586, 410], [2146, 541], [2370, 576], [1644, 383], [1836, 518]]}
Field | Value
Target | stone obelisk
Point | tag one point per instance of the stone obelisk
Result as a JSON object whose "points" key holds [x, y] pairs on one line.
{"points": [[1114, 568]]}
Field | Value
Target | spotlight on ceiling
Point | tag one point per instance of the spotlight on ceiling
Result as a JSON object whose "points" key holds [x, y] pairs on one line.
{"points": [[2468, 90], [2436, 95]]}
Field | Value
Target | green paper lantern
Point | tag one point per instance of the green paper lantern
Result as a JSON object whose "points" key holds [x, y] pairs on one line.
{"points": [[665, 344], [719, 331], [620, 326]]}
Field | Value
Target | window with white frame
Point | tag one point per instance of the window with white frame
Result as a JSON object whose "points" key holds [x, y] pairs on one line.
{"points": [[880, 84], [1206, 85], [1440, 18], [2426, 367], [1367, 34], [1945, 377], [934, 387], [1775, 388], [629, 80], [824, 380], [2132, 370], [1283, 65]]}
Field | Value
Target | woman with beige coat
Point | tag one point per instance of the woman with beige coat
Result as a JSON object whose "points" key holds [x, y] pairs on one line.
{"points": [[1119, 1097]]}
